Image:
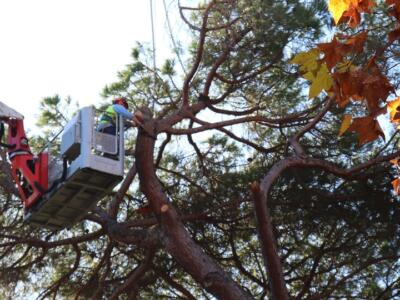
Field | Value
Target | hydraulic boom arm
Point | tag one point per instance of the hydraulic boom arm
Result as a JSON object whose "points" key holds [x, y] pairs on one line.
{"points": [[29, 172]]}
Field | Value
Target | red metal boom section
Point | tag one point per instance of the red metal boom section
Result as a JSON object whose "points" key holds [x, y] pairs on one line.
{"points": [[30, 172]]}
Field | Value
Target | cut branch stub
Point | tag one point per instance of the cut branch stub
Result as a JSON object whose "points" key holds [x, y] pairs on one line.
{"points": [[177, 241]]}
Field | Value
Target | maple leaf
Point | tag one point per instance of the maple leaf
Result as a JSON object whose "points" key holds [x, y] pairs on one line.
{"points": [[333, 52], [349, 10], [314, 71], [376, 86], [308, 61], [342, 85], [373, 93], [365, 5], [394, 110], [367, 84], [352, 16], [349, 85], [345, 124], [337, 8], [357, 42], [367, 128], [310, 76], [322, 81]]}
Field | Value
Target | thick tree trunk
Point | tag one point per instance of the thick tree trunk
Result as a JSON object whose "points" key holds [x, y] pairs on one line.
{"points": [[177, 240]]}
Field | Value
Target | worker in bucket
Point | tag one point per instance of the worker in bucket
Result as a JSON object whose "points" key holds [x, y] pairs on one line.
{"points": [[119, 107]]}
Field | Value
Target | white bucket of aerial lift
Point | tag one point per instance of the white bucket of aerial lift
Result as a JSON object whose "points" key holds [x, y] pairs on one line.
{"points": [[91, 164], [84, 146], [9, 113]]}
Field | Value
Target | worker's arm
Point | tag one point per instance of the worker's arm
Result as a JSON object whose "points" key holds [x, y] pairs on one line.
{"points": [[137, 117], [122, 111]]}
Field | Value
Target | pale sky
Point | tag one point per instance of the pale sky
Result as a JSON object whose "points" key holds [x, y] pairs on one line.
{"points": [[70, 47]]}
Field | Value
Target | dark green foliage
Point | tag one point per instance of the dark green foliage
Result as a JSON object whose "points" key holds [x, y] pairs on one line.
{"points": [[338, 238]]}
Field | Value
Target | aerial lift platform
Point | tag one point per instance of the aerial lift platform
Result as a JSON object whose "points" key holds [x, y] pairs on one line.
{"points": [[57, 190]]}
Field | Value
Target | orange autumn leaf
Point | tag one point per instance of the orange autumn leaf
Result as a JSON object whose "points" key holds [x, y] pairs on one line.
{"points": [[394, 161], [395, 184], [349, 85], [376, 86], [362, 84], [333, 52], [357, 42], [394, 34], [358, 7], [366, 5], [342, 87], [394, 8], [394, 110], [374, 90], [352, 16], [367, 128]]}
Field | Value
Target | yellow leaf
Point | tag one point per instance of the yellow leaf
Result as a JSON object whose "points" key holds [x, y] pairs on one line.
{"points": [[309, 76], [345, 124], [323, 81], [338, 7], [307, 60], [314, 71]]}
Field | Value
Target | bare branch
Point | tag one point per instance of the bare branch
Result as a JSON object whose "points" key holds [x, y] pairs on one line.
{"points": [[294, 141], [56, 285], [118, 198], [221, 59], [135, 275], [162, 148], [199, 55], [176, 285], [271, 258]]}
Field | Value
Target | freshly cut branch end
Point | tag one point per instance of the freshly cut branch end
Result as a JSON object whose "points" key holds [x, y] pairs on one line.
{"points": [[164, 208]]}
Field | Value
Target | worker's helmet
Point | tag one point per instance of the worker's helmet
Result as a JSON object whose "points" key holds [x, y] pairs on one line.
{"points": [[121, 101]]}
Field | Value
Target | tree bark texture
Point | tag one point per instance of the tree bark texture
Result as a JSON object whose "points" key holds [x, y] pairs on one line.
{"points": [[177, 241], [268, 245]]}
